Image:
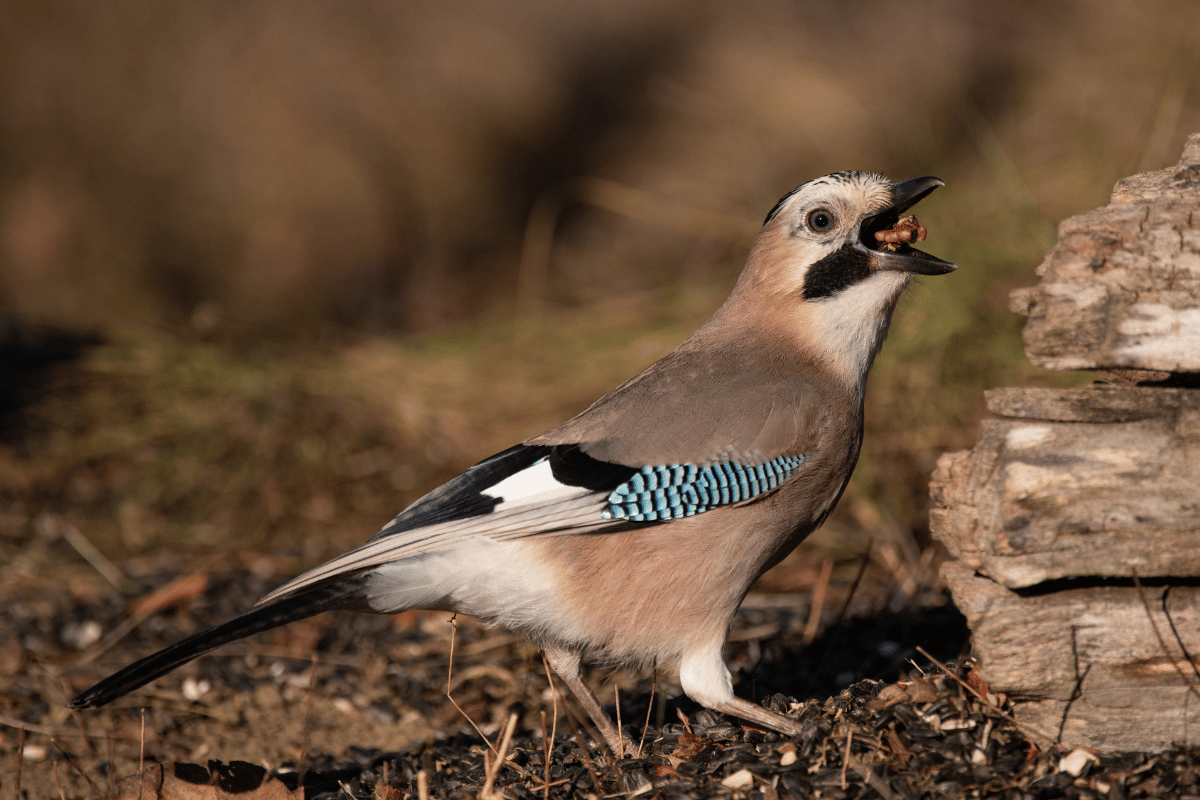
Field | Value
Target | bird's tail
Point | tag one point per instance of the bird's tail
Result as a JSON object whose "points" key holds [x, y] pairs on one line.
{"points": [[324, 597]]}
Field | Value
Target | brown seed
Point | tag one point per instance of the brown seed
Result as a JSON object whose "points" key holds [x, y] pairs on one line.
{"points": [[904, 230]]}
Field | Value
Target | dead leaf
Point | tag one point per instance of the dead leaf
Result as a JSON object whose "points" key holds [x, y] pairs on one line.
{"points": [[237, 780], [976, 681], [690, 746], [922, 691], [177, 592], [899, 750]]}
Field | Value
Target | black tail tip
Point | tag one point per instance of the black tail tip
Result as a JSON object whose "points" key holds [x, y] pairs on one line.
{"points": [[85, 700]]}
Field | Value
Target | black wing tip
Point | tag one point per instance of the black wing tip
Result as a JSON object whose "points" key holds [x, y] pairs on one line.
{"points": [[88, 699], [121, 683]]}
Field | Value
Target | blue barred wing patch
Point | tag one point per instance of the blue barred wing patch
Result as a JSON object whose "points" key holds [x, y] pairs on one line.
{"points": [[683, 490]]}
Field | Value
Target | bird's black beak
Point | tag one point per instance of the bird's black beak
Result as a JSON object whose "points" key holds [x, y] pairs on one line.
{"points": [[900, 256]]}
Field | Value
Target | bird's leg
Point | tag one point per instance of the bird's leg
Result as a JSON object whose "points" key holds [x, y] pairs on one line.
{"points": [[705, 679], [566, 664]]}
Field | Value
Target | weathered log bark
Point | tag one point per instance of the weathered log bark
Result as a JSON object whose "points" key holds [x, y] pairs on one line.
{"points": [[1102, 667], [1097, 482], [1121, 288], [1074, 523]]}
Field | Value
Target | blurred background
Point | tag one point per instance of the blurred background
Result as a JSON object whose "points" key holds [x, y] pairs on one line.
{"points": [[269, 271]]}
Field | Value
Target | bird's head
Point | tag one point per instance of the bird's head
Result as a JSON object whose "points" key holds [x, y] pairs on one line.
{"points": [[834, 256], [821, 236]]}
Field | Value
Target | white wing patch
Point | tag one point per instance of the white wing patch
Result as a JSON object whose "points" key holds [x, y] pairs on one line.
{"points": [[535, 483]]}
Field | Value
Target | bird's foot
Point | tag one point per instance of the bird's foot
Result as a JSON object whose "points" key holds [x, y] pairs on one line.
{"points": [[750, 712]]}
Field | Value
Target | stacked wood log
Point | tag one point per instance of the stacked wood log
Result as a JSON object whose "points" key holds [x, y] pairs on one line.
{"points": [[1074, 523]]}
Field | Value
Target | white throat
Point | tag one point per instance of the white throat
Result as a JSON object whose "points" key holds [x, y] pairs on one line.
{"points": [[852, 324]]}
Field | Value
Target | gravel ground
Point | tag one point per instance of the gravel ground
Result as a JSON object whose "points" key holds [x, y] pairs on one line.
{"points": [[373, 721]]}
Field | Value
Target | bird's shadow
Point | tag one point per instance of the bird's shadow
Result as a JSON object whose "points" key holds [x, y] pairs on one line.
{"points": [[881, 647]]}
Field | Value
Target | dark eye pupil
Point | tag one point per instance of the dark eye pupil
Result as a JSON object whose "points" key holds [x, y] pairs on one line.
{"points": [[820, 220]]}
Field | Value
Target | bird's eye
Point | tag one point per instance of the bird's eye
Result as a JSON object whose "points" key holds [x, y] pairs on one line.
{"points": [[820, 220]]}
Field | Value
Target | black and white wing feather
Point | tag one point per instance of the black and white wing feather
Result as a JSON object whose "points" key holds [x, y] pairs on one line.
{"points": [[527, 490], [538, 490]]}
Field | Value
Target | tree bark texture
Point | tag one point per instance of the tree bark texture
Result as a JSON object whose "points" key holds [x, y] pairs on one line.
{"points": [[1096, 482], [1105, 667], [1121, 288], [1074, 523]]}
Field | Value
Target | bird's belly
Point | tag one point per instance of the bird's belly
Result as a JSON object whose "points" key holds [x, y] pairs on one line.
{"points": [[638, 597], [502, 583], [650, 595]]}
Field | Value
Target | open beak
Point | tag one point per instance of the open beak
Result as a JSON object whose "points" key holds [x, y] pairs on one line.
{"points": [[904, 258]]}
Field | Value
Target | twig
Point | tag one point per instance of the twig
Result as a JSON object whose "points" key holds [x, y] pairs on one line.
{"points": [[422, 785], [549, 748], [450, 678], [20, 761], [537, 248], [45, 730], [182, 587], [480, 671], [1029, 729], [545, 758], [58, 782], [515, 767], [834, 653], [302, 767], [869, 777], [862, 570], [83, 731], [1162, 643], [649, 707], [846, 756], [620, 731], [554, 702], [112, 773], [583, 750], [655, 210], [1077, 691], [493, 772], [93, 556], [142, 756], [1175, 632], [818, 603], [67, 757]]}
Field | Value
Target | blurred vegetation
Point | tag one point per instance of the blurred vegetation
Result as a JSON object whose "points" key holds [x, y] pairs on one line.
{"points": [[339, 252]]}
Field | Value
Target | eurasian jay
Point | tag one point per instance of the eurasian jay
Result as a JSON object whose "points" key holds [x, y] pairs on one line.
{"points": [[631, 533]]}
